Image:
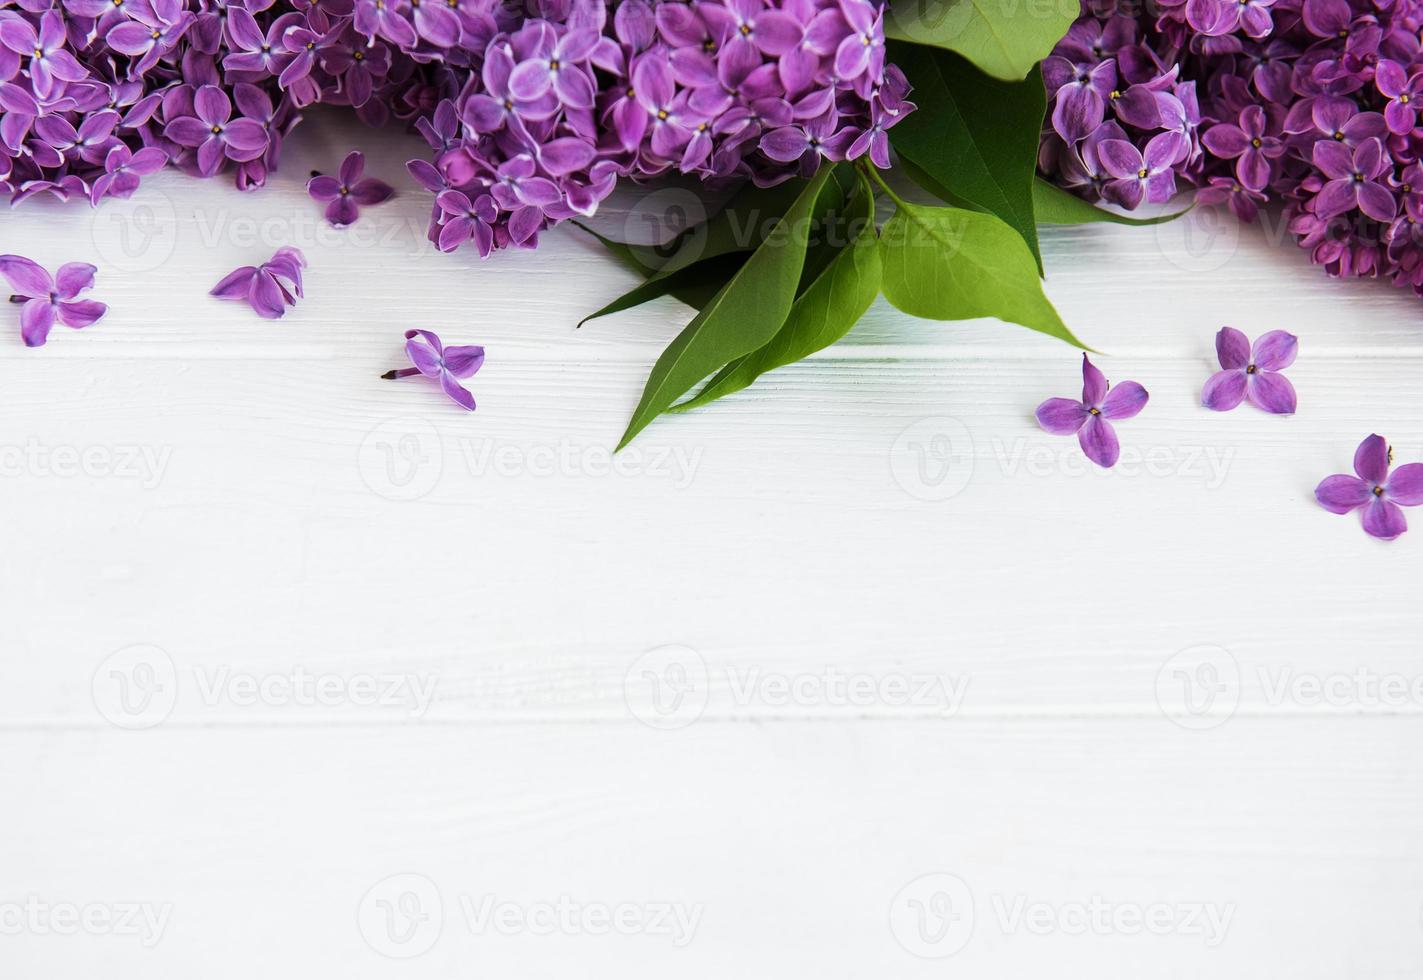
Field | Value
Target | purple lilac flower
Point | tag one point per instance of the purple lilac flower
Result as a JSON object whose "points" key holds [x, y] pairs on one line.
{"points": [[1306, 106], [1402, 91], [1380, 494], [215, 134], [1139, 176], [535, 110], [122, 170], [1353, 180], [345, 194], [46, 300], [154, 31], [1252, 373], [448, 365], [49, 62], [268, 288], [462, 220], [1249, 144], [1091, 417]]}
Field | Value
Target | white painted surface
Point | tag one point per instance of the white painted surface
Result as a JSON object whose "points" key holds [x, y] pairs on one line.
{"points": [[1025, 750]]}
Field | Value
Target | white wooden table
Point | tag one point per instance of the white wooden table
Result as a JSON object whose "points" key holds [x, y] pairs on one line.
{"points": [[855, 674]]}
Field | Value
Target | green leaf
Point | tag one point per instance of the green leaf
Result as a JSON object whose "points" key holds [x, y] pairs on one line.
{"points": [[1005, 38], [743, 316], [975, 136], [694, 285], [916, 173], [1055, 206], [823, 313], [953, 264], [710, 254]]}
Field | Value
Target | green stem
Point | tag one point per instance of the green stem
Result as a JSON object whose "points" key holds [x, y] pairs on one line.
{"points": [[873, 174]]}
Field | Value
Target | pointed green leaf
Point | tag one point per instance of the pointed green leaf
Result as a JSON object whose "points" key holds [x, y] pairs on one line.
{"points": [[953, 264], [743, 316], [1055, 206], [719, 242], [694, 285], [1005, 38], [823, 313], [976, 136]]}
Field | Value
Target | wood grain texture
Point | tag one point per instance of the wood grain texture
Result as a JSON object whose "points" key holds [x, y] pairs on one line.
{"points": [[859, 624]]}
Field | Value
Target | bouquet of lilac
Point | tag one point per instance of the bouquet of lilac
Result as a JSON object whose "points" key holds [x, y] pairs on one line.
{"points": [[532, 117], [1307, 104], [533, 112]]}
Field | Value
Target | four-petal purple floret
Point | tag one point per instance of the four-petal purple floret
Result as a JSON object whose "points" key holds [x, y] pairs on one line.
{"points": [[268, 288], [447, 365], [1380, 494], [49, 299], [1091, 418], [1252, 373], [345, 194]]}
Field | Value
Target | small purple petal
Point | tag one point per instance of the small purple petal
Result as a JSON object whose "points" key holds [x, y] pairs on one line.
{"points": [[73, 278], [352, 167], [266, 296], [1371, 460], [36, 319], [1061, 416], [457, 393], [1232, 348], [1099, 441], [1275, 350], [323, 188], [463, 361], [1342, 493], [1225, 390], [1094, 384], [26, 277], [1124, 401], [423, 356], [371, 191], [1271, 392], [1405, 485], [80, 313], [236, 284], [342, 211], [1384, 519]]}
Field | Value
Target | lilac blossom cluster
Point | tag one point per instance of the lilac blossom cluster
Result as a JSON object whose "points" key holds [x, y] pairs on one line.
{"points": [[532, 112], [556, 111], [1311, 105]]}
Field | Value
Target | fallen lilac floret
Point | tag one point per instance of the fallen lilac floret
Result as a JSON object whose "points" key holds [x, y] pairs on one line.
{"points": [[268, 288]]}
